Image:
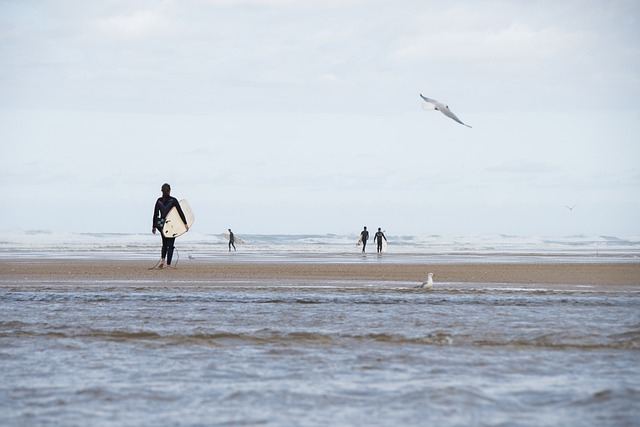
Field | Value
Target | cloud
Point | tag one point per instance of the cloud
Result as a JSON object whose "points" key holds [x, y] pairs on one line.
{"points": [[522, 167], [329, 78], [282, 3], [515, 41], [137, 25]]}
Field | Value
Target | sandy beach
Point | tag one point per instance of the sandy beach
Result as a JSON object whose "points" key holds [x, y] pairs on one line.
{"points": [[59, 271]]}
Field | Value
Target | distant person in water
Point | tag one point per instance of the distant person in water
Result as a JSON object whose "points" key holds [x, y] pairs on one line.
{"points": [[364, 236], [160, 211], [379, 236], [232, 240]]}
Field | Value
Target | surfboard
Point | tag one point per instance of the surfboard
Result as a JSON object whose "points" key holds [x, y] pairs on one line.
{"points": [[359, 241], [236, 239], [173, 225]]}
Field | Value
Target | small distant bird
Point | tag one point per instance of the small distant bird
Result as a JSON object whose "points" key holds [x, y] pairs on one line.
{"points": [[570, 207], [191, 256], [432, 104], [428, 284]]}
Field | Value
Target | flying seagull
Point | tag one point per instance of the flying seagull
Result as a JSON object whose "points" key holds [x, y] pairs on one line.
{"points": [[432, 104], [570, 207]]}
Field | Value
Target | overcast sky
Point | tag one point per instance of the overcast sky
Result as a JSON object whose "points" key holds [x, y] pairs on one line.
{"points": [[294, 116]]}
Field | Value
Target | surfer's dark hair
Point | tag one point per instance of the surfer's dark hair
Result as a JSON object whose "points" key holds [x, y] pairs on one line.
{"points": [[166, 185]]}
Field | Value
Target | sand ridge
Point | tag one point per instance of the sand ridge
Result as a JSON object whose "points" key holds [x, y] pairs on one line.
{"points": [[16, 271]]}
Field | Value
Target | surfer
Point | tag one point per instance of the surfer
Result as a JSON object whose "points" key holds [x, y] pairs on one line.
{"points": [[160, 211], [379, 236], [364, 236], [232, 240]]}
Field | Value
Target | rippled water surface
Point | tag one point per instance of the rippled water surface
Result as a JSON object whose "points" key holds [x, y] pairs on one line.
{"points": [[134, 354]]}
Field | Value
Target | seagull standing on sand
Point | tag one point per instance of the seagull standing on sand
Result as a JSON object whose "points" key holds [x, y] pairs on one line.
{"points": [[432, 104], [429, 283]]}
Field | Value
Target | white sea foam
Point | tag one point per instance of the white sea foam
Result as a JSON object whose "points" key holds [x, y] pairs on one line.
{"points": [[502, 247]]}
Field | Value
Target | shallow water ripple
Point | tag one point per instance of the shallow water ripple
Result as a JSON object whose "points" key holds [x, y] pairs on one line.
{"points": [[143, 355]]}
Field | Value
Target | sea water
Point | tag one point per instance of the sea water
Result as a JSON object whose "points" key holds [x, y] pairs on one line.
{"points": [[321, 248], [318, 352], [315, 354]]}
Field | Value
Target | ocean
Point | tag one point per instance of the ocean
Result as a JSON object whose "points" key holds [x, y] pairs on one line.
{"points": [[323, 248], [315, 352]]}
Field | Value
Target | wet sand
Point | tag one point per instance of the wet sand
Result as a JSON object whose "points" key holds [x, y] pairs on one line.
{"points": [[14, 272]]}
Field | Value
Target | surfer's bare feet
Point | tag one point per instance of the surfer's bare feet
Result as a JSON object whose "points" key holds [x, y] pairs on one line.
{"points": [[161, 265]]}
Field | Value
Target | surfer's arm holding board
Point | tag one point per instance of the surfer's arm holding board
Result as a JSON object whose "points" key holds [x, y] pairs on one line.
{"points": [[159, 214], [182, 217]]}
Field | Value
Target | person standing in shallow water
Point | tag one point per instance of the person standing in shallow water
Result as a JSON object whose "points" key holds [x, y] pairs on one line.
{"points": [[379, 236], [161, 209], [232, 240], [364, 234]]}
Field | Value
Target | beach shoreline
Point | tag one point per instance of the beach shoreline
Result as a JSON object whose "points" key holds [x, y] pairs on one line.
{"points": [[18, 271]]}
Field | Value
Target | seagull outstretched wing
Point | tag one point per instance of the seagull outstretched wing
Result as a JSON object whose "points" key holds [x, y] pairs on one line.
{"points": [[432, 104]]}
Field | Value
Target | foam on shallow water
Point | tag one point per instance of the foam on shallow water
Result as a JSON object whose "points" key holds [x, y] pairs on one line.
{"points": [[321, 248]]}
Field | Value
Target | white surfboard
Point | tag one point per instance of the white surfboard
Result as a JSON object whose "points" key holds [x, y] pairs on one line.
{"points": [[236, 239], [359, 241], [173, 225]]}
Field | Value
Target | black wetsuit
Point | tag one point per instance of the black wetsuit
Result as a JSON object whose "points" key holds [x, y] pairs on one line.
{"points": [[379, 235], [232, 241], [365, 237], [160, 211]]}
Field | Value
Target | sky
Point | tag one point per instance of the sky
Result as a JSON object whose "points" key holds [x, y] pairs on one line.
{"points": [[304, 117]]}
